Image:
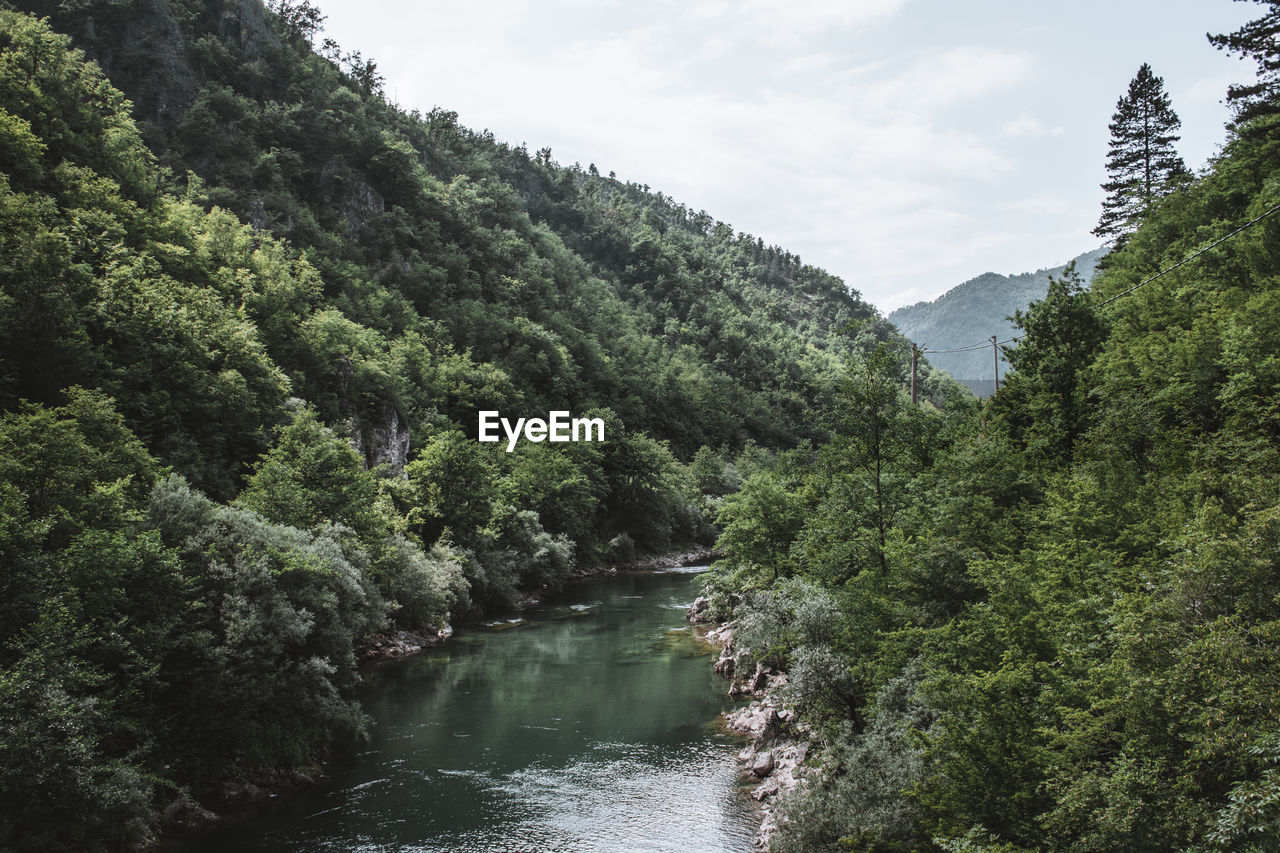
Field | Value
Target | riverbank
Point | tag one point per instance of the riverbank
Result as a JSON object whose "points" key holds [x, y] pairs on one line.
{"points": [[774, 757], [246, 794], [398, 644], [392, 645], [699, 555]]}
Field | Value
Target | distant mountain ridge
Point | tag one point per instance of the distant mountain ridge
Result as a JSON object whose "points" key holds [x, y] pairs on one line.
{"points": [[977, 309]]}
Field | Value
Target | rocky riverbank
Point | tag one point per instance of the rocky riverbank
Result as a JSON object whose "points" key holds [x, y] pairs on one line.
{"points": [[183, 816], [699, 555], [398, 644], [779, 742]]}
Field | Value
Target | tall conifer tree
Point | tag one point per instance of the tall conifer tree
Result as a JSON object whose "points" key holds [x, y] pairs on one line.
{"points": [[1260, 41], [1142, 164]]}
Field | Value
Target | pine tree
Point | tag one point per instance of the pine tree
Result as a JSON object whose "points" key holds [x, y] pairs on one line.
{"points": [[1258, 40], [1142, 163]]}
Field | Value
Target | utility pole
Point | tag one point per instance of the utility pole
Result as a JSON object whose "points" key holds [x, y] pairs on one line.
{"points": [[995, 354], [915, 359]]}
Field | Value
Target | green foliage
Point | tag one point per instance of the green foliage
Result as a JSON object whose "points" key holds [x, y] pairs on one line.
{"points": [[1250, 821], [452, 487], [862, 799], [1047, 396], [1255, 40], [865, 473], [282, 607], [1045, 622], [757, 525], [89, 604], [424, 588], [288, 300], [311, 477]]}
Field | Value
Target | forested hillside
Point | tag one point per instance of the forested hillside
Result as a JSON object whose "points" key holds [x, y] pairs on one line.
{"points": [[539, 284], [1049, 621], [248, 314], [977, 309]]}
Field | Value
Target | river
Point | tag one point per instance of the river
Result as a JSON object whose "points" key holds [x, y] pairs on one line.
{"points": [[589, 723]]}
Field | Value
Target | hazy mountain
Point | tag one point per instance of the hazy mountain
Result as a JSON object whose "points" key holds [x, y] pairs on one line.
{"points": [[974, 311]]}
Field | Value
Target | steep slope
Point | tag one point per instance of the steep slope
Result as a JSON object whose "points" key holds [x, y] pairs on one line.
{"points": [[976, 310], [570, 289]]}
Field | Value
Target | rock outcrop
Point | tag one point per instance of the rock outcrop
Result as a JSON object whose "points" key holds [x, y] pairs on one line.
{"points": [[779, 745], [699, 613], [399, 644], [184, 814]]}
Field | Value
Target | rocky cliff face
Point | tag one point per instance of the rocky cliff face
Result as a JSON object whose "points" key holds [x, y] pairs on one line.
{"points": [[152, 52], [143, 50], [384, 441]]}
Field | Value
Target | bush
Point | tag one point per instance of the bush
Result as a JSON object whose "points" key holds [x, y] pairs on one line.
{"points": [[424, 587], [859, 794]]}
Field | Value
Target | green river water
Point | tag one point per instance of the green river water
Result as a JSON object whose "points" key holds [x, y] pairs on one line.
{"points": [[589, 724]]}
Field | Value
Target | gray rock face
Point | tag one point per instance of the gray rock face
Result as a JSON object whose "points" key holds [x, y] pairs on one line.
{"points": [[382, 441], [699, 613], [359, 204], [162, 85], [246, 25], [389, 441], [723, 637]]}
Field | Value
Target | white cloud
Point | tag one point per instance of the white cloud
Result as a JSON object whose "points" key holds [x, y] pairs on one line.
{"points": [[1036, 205], [857, 145], [1023, 125], [1208, 90]]}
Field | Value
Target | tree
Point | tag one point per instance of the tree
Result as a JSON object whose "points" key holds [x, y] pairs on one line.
{"points": [[1258, 40], [876, 451], [311, 478], [1142, 164], [1062, 335], [758, 523], [300, 18]]}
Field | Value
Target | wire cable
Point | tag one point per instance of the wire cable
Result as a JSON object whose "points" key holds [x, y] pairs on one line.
{"points": [[1192, 257]]}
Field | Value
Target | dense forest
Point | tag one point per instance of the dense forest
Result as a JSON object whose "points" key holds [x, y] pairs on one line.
{"points": [[248, 314], [1049, 621]]}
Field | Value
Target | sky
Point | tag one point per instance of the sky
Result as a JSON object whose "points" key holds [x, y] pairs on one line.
{"points": [[903, 145]]}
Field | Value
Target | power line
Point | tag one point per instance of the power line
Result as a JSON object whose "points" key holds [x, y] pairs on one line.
{"points": [[972, 348], [1252, 222], [1189, 258]]}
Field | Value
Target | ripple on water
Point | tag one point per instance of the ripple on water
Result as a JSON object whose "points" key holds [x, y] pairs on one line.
{"points": [[503, 623], [622, 797]]}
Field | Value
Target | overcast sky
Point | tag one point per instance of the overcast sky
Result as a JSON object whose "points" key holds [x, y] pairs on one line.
{"points": [[904, 145]]}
